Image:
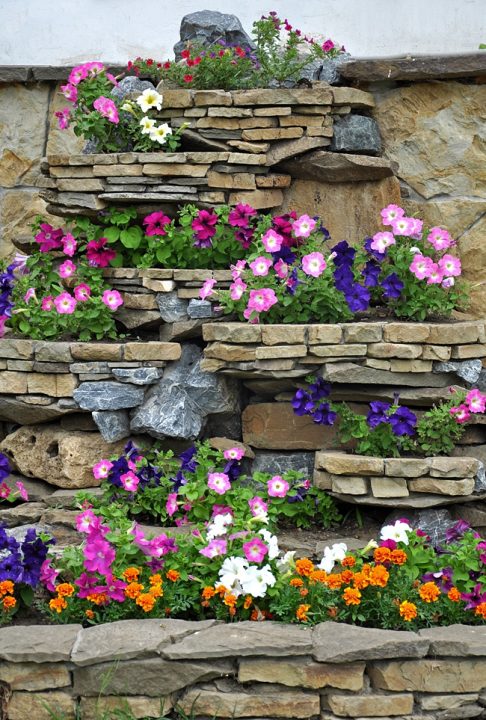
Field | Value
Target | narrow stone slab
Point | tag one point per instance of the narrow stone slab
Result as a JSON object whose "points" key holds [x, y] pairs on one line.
{"points": [[454, 675], [302, 672], [108, 395], [337, 642], [415, 68], [242, 640], [338, 167], [37, 643], [34, 676], [456, 640], [240, 704]]}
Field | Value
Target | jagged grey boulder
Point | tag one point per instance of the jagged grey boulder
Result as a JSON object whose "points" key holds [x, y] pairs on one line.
{"points": [[171, 307], [356, 133], [280, 463], [207, 27], [113, 425], [468, 370], [330, 70], [200, 309], [138, 376], [107, 395], [131, 84], [480, 479]]}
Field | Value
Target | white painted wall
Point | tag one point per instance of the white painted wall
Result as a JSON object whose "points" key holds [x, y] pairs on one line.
{"points": [[58, 32]]}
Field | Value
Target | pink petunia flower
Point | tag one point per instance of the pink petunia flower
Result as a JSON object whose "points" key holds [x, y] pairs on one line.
{"points": [[255, 550], [207, 288], [82, 292], [382, 240], [156, 223], [69, 244], [461, 414], [314, 264], [237, 289], [439, 238], [435, 275], [102, 469], [261, 300], [403, 226], [114, 589], [47, 303], [420, 266], [219, 482], [257, 506], [48, 238], [70, 92], [277, 486], [129, 481], [216, 547], [22, 491], [48, 575], [450, 265], [416, 228], [221, 510], [240, 215], [171, 504], [237, 269], [272, 241], [112, 299], [260, 266], [107, 109], [303, 226], [281, 269], [3, 320], [77, 74], [65, 304], [86, 521], [391, 213], [29, 294], [98, 555], [476, 401], [4, 491], [98, 255], [234, 453], [63, 118], [67, 269]]}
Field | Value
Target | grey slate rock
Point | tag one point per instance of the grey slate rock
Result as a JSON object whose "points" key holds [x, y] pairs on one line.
{"points": [[37, 643], [433, 522], [468, 370], [131, 84], [330, 70], [280, 463], [338, 643], [138, 376], [200, 309], [480, 479], [171, 307], [167, 412], [113, 424], [107, 395], [456, 640], [356, 133], [207, 27]]}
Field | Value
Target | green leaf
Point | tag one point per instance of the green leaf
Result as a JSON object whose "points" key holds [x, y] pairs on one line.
{"points": [[27, 594], [131, 237], [112, 234]]}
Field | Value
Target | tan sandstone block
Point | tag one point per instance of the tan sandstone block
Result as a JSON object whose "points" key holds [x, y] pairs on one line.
{"points": [[282, 334], [340, 463], [406, 332], [370, 705], [152, 350], [362, 332], [280, 351], [387, 487], [440, 486], [230, 353], [284, 704], [348, 485], [394, 350], [34, 676], [454, 333], [41, 705], [53, 385], [328, 334], [434, 676], [302, 672]]}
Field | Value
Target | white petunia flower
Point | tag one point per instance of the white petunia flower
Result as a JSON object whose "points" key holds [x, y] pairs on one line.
{"points": [[332, 555], [219, 526], [397, 532], [256, 580], [150, 99], [272, 543], [147, 125], [286, 562], [231, 573], [159, 134]]}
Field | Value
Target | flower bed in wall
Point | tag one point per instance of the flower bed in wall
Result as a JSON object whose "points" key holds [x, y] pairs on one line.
{"points": [[242, 670]]}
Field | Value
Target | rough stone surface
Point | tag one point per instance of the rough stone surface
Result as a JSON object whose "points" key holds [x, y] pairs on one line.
{"points": [[137, 376], [41, 705], [242, 640], [455, 675], [468, 370], [107, 396], [171, 307], [57, 456], [37, 643], [341, 463], [206, 27], [280, 463], [140, 706], [34, 676], [415, 67], [339, 643], [113, 424], [372, 704], [302, 672], [356, 134], [456, 640], [329, 167], [433, 522], [200, 309], [296, 704], [131, 84]]}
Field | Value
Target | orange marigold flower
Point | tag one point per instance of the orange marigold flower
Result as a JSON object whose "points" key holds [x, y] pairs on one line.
{"points": [[301, 613], [304, 592], [454, 594], [382, 554], [347, 576], [429, 592], [481, 610], [131, 574], [366, 569], [173, 575], [379, 576], [349, 561], [58, 604], [9, 602], [6, 587], [208, 592], [318, 576], [408, 610], [304, 567], [398, 557], [146, 601], [89, 614], [352, 596], [248, 602], [155, 579], [230, 600], [98, 598], [296, 582], [133, 590], [258, 615], [361, 580], [221, 590], [65, 589], [156, 591], [334, 581]]}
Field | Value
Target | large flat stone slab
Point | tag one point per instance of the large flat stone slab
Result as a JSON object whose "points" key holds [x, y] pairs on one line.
{"points": [[37, 643], [337, 642], [456, 640], [338, 167], [415, 68]]}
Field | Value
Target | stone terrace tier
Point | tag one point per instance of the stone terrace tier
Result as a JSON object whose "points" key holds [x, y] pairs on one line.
{"points": [[363, 353], [242, 670], [399, 482], [231, 144]]}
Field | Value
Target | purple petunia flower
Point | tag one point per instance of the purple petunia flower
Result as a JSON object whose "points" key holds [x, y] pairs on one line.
{"points": [[357, 298], [302, 403], [377, 413], [324, 415], [371, 272], [377, 255], [403, 422], [392, 286]]}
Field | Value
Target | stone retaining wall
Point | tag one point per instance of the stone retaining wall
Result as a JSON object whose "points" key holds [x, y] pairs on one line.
{"points": [[243, 670]]}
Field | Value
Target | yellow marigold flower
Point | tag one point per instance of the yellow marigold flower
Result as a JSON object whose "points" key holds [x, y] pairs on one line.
{"points": [[454, 594], [352, 596], [361, 580], [156, 591], [379, 576], [248, 602], [481, 610], [334, 581], [304, 567], [133, 590], [131, 574], [382, 554], [65, 589], [146, 601], [349, 561], [155, 579], [9, 602], [58, 604], [6, 588], [296, 582], [429, 592], [408, 610], [318, 576], [89, 614], [301, 613], [173, 575], [208, 592], [398, 557]]}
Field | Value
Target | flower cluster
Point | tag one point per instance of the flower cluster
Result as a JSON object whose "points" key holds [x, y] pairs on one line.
{"points": [[389, 429], [6, 492], [97, 113]]}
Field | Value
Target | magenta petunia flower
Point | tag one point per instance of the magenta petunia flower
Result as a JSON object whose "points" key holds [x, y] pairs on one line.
{"points": [[314, 264], [114, 589], [171, 504], [48, 575], [67, 269], [69, 244], [102, 469], [63, 118], [156, 223], [82, 292], [476, 401], [65, 304], [218, 546], [461, 414], [70, 92], [204, 227], [129, 481], [112, 299], [98, 255], [86, 521], [260, 266], [22, 491], [240, 215], [237, 269], [47, 303], [207, 288], [48, 238], [277, 487], [255, 550], [281, 269], [234, 453], [107, 109], [219, 482], [98, 555], [303, 226]]}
